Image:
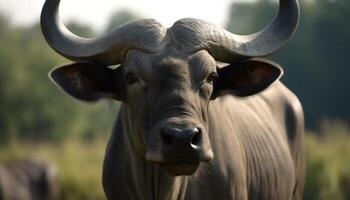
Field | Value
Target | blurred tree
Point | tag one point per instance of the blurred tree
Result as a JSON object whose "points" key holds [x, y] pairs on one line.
{"points": [[119, 18], [3, 24], [315, 61], [81, 29], [31, 107]]}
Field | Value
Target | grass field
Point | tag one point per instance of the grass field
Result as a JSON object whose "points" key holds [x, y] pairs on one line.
{"points": [[80, 163], [328, 163]]}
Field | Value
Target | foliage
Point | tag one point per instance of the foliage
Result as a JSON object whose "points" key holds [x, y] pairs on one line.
{"points": [[31, 107], [328, 163], [79, 164], [119, 18], [315, 61], [81, 29]]}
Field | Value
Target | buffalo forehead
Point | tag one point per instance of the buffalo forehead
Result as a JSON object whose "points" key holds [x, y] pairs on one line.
{"points": [[169, 63]]}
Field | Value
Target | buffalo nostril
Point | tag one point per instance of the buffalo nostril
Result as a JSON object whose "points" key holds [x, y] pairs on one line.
{"points": [[196, 137], [166, 138]]}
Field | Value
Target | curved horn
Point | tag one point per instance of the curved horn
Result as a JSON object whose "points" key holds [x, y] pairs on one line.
{"points": [[144, 34], [227, 47]]}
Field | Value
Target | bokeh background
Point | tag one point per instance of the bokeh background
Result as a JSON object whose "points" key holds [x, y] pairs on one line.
{"points": [[41, 122]]}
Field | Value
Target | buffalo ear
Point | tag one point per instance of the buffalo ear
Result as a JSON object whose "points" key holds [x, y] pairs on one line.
{"points": [[247, 78], [89, 81]]}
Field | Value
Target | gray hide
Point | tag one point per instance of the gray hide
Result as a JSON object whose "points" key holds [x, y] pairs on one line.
{"points": [[257, 153]]}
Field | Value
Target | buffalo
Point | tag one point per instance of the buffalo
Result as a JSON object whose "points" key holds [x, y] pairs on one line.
{"points": [[203, 114], [28, 180]]}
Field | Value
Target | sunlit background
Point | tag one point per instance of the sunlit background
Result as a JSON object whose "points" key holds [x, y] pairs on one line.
{"points": [[38, 121]]}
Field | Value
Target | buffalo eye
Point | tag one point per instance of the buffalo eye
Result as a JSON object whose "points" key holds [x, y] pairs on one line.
{"points": [[131, 78], [212, 77]]}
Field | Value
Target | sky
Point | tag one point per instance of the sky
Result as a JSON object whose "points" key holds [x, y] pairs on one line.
{"points": [[97, 12]]}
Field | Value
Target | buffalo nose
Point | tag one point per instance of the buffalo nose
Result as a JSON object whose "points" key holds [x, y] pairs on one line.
{"points": [[173, 137]]}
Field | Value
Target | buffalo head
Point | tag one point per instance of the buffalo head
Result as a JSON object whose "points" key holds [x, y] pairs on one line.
{"points": [[167, 77]]}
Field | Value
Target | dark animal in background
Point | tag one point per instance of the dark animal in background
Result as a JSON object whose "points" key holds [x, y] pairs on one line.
{"points": [[28, 180], [187, 127]]}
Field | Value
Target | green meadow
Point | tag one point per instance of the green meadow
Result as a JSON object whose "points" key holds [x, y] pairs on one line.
{"points": [[79, 163]]}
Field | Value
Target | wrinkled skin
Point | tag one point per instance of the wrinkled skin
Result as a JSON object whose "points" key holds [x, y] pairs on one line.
{"points": [[247, 164], [255, 141], [180, 97], [251, 135], [250, 141]]}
